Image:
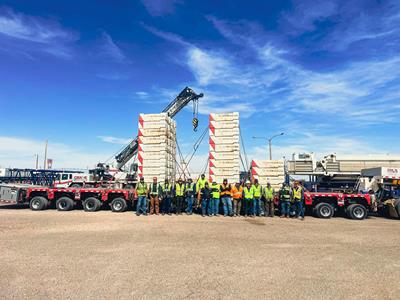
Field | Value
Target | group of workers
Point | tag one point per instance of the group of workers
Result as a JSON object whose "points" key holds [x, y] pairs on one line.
{"points": [[247, 199]]}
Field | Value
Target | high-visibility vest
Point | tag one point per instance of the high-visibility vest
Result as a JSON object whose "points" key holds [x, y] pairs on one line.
{"points": [[189, 187], [141, 189], [226, 190], [248, 193], [179, 189], [297, 193], [237, 193], [201, 183], [154, 189], [269, 193], [256, 191], [285, 193], [166, 188], [215, 191]]}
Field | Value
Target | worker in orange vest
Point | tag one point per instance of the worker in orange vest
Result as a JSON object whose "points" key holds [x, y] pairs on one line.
{"points": [[237, 195], [226, 196]]}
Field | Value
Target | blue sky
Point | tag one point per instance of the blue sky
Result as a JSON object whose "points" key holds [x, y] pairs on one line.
{"points": [[78, 73]]}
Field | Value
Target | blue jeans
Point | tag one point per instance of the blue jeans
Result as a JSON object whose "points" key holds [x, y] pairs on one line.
{"points": [[299, 209], [248, 206], [285, 208], [215, 206], [227, 202], [141, 205], [189, 201], [206, 203], [257, 206], [166, 205]]}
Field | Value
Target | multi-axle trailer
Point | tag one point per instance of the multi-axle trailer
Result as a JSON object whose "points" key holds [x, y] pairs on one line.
{"points": [[323, 205], [64, 199]]}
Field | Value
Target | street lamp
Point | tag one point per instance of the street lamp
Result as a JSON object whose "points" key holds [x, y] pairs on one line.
{"points": [[269, 142]]}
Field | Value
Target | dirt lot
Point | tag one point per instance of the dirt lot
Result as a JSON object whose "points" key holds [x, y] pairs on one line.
{"points": [[101, 255]]}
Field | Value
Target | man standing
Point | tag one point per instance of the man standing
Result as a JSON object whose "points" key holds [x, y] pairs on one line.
{"points": [[141, 191], [248, 200], [199, 185], [257, 192], [179, 195], [167, 196], [215, 195], [206, 206], [237, 194], [190, 190], [284, 198], [298, 197], [155, 191], [226, 196], [269, 194]]}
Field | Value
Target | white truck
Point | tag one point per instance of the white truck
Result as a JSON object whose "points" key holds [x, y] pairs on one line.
{"points": [[385, 183]]}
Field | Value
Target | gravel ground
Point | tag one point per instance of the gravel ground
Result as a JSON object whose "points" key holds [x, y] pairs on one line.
{"points": [[104, 255]]}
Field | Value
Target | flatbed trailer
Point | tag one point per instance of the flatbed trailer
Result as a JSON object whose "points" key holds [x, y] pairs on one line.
{"points": [[326, 205], [64, 199]]}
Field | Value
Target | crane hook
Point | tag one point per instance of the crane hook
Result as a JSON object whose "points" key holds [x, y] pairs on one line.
{"points": [[195, 120]]}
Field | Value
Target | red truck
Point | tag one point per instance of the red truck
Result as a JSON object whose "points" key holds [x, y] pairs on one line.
{"points": [[64, 199], [325, 205]]}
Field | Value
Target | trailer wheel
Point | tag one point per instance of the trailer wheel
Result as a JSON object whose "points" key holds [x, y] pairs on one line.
{"points": [[357, 212], [118, 205], [324, 210], [397, 205], [64, 204], [38, 203], [91, 204]]}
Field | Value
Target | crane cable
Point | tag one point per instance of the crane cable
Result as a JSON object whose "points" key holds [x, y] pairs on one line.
{"points": [[244, 150], [195, 147]]}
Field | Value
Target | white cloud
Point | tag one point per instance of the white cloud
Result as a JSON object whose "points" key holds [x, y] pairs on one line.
{"points": [[108, 49], [19, 153], [160, 7], [31, 34], [113, 76], [114, 140], [142, 94]]}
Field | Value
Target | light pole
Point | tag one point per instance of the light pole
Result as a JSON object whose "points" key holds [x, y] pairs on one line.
{"points": [[269, 142]]}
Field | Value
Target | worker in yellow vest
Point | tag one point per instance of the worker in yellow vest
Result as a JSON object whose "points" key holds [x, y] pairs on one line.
{"points": [[248, 200], [214, 202], [199, 185], [226, 196], [155, 192], [237, 195], [141, 190], [269, 207], [257, 193], [298, 198], [166, 198], [179, 196], [190, 190]]}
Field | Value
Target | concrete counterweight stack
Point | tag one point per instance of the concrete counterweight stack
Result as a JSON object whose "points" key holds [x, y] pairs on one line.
{"points": [[224, 147], [157, 147], [272, 171]]}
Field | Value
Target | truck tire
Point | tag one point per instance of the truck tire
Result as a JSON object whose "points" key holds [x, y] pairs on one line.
{"points": [[324, 210], [356, 212], [38, 203], [91, 204], [64, 204], [397, 205], [118, 205]]}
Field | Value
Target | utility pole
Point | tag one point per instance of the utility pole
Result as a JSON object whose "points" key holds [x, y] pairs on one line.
{"points": [[45, 156], [269, 142], [37, 161]]}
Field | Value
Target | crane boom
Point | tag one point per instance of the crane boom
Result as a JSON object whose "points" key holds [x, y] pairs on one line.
{"points": [[183, 99]]}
